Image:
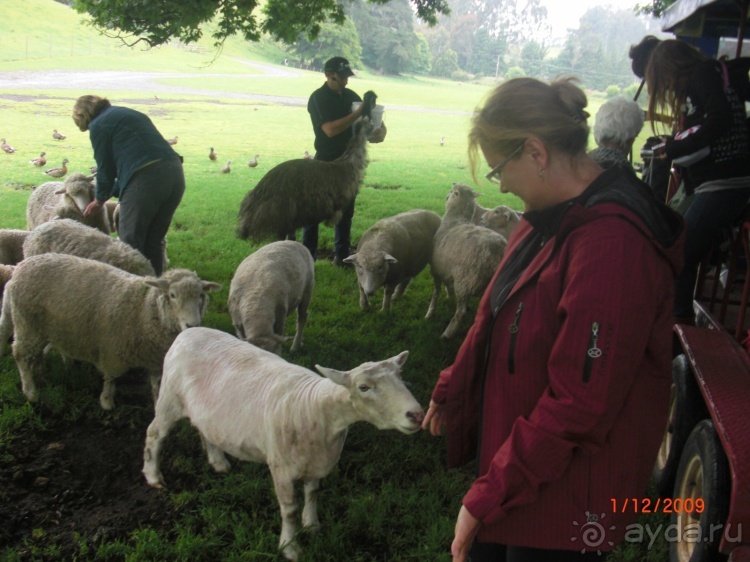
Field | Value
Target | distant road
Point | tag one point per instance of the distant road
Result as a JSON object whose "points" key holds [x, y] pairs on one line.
{"points": [[102, 80], [148, 82]]}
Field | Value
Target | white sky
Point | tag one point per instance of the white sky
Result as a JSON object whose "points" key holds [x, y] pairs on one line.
{"points": [[564, 14]]}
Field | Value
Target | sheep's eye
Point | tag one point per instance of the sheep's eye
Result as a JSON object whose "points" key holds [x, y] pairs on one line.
{"points": [[363, 388], [173, 296]]}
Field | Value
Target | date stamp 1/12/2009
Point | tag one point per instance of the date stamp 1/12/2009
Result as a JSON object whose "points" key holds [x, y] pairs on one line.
{"points": [[657, 505]]}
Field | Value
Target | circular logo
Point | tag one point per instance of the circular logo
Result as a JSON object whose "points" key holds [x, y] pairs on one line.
{"points": [[593, 533]]}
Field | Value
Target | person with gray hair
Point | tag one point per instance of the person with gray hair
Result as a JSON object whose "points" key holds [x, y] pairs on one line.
{"points": [[616, 125]]}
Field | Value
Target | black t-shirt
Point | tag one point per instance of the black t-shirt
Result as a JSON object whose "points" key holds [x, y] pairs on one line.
{"points": [[326, 105]]}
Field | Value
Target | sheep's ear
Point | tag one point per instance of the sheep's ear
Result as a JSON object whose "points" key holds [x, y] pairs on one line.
{"points": [[160, 284], [401, 358], [389, 258], [339, 377], [351, 259], [60, 191], [210, 286], [475, 194]]}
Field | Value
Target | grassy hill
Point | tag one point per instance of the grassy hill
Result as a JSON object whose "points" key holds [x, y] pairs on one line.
{"points": [[48, 35]]}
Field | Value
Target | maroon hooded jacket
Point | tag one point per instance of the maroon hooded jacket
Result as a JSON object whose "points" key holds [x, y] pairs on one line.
{"points": [[563, 393]]}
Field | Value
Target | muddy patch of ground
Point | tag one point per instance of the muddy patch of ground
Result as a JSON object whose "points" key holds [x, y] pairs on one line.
{"points": [[77, 479]]}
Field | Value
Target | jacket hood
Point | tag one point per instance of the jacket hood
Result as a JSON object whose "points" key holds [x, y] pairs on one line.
{"points": [[618, 192]]}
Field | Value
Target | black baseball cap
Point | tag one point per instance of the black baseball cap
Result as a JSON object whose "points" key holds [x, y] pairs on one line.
{"points": [[340, 66]]}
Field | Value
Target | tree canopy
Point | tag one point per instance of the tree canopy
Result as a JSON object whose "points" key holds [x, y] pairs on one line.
{"points": [[654, 8], [158, 21]]}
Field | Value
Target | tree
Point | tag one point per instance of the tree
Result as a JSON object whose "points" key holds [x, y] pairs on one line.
{"points": [[421, 64], [488, 55], [157, 21], [444, 59], [333, 40], [445, 64], [655, 8], [532, 59], [462, 38], [597, 52], [386, 33]]}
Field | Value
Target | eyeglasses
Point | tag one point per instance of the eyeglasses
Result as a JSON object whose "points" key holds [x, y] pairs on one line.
{"points": [[494, 174]]}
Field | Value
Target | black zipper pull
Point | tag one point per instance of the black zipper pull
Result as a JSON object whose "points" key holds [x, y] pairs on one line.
{"points": [[593, 352], [513, 329]]}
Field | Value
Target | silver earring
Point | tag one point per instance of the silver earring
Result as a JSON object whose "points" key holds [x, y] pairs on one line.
{"points": [[541, 172]]}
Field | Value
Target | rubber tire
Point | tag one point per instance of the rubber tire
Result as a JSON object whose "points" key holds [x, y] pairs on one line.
{"points": [[686, 409], [703, 472]]}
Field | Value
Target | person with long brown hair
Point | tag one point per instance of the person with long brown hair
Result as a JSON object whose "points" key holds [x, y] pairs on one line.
{"points": [[712, 150], [138, 166], [560, 390]]}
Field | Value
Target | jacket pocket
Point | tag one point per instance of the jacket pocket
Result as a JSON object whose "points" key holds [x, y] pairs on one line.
{"points": [[513, 329], [592, 352]]}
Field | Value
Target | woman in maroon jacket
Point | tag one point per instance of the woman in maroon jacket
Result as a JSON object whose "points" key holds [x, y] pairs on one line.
{"points": [[560, 390]]}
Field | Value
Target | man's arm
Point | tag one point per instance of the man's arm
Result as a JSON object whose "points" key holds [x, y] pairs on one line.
{"points": [[333, 128]]}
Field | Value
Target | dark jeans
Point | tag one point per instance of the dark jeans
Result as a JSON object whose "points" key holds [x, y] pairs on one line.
{"points": [[342, 234], [491, 552], [706, 221], [147, 205]]}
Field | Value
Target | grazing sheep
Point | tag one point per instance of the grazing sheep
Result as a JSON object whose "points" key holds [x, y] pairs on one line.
{"points": [[464, 255], [113, 215], [257, 407], [11, 246], [68, 200], [66, 236], [267, 286], [392, 252], [302, 192], [94, 312], [501, 219], [6, 271]]}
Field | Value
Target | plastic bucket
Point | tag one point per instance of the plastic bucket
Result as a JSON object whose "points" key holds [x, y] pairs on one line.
{"points": [[376, 115]]}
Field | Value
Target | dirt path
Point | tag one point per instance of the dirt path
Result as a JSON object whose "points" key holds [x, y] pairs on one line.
{"points": [[148, 82]]}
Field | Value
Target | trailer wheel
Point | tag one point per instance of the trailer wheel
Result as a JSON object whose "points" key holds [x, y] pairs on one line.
{"points": [[703, 474], [686, 409]]}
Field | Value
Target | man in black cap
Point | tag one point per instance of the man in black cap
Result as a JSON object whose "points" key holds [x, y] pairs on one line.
{"points": [[330, 109]]}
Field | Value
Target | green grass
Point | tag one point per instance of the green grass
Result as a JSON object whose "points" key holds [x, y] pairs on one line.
{"points": [[390, 497]]}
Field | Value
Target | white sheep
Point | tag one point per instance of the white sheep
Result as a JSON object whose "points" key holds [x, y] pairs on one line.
{"points": [[501, 219], [464, 255], [392, 252], [68, 199], [267, 286], [98, 314], [66, 236], [255, 406], [113, 214], [6, 272], [11, 245]]}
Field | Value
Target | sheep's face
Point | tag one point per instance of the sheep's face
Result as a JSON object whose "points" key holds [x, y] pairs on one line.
{"points": [[80, 191], [378, 394], [500, 218], [372, 269], [461, 200], [185, 296]]}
